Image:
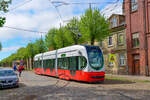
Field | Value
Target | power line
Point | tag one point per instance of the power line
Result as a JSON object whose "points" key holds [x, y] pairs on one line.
{"points": [[57, 10], [79, 3], [21, 29], [20, 5], [61, 3]]}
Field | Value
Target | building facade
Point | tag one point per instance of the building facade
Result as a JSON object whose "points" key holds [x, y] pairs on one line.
{"points": [[115, 46], [137, 13]]}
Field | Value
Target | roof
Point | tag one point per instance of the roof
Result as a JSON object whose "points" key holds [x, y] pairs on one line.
{"points": [[115, 15], [61, 49], [115, 8]]}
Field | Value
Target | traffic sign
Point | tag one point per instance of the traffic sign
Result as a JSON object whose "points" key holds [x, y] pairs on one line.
{"points": [[112, 58]]}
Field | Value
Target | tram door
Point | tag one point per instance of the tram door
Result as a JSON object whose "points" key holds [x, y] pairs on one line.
{"points": [[73, 66]]}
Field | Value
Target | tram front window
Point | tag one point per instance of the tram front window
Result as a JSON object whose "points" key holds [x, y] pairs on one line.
{"points": [[95, 57]]}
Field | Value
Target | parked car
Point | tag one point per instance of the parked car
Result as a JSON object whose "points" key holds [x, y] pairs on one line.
{"points": [[8, 78]]}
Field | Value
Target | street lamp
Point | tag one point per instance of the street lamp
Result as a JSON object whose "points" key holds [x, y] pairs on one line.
{"points": [[76, 33]]}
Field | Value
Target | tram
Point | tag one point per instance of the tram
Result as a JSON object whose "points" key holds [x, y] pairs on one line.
{"points": [[77, 62]]}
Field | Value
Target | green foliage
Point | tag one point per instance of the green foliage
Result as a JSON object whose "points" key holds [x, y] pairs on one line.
{"points": [[94, 26], [61, 38], [49, 39], [4, 7], [73, 31], [20, 55], [30, 50], [39, 46], [2, 21]]}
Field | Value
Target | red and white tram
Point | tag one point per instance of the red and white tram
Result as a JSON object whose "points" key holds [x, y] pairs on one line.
{"points": [[78, 62]]}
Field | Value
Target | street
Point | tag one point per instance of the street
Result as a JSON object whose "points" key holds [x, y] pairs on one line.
{"points": [[37, 87]]}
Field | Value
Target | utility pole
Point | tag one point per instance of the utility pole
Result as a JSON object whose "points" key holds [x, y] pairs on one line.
{"points": [[146, 43], [42, 55]]}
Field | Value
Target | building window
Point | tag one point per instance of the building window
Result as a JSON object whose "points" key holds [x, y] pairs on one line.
{"points": [[134, 5], [122, 60], [120, 39], [113, 22], [135, 40], [110, 41]]}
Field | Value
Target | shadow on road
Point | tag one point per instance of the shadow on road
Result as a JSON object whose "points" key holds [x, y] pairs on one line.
{"points": [[14, 87], [107, 81], [51, 92], [112, 81]]}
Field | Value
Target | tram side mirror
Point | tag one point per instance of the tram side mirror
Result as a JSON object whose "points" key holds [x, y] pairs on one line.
{"points": [[80, 53]]}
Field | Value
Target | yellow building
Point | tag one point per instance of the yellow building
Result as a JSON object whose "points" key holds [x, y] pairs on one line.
{"points": [[114, 46]]}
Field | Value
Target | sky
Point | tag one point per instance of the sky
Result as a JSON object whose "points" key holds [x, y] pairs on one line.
{"points": [[41, 16]]}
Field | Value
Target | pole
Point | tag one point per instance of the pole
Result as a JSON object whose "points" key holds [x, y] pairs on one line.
{"points": [[90, 5], [146, 44], [42, 56], [56, 64]]}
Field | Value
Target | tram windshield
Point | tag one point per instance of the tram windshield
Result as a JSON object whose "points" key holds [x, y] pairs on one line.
{"points": [[95, 57]]}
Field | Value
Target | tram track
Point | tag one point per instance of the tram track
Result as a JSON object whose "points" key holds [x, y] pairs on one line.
{"points": [[59, 88]]}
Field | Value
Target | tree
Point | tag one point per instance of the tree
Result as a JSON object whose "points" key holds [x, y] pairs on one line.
{"points": [[94, 26], [49, 39], [0, 46], [30, 51], [4, 8], [73, 30], [39, 46], [61, 38]]}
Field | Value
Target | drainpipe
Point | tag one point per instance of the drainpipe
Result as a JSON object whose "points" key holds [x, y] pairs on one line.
{"points": [[146, 44]]}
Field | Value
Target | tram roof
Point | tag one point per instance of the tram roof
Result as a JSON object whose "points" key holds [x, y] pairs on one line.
{"points": [[74, 47]]}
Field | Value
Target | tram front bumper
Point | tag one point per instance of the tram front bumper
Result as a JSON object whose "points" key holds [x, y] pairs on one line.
{"points": [[94, 76]]}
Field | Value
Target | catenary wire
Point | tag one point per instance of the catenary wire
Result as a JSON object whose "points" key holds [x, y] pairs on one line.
{"points": [[21, 29], [20, 5]]}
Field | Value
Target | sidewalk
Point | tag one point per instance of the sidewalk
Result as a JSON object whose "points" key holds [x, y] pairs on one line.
{"points": [[130, 77]]}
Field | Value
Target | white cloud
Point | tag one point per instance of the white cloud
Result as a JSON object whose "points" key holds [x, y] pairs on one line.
{"points": [[38, 15], [8, 49], [112, 9]]}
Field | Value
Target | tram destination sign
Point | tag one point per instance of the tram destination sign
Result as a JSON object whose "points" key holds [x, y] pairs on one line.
{"points": [[63, 55]]}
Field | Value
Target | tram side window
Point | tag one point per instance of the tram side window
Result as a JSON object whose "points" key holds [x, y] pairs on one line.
{"points": [[73, 63], [39, 64], [35, 64], [44, 64], [82, 62], [47, 63], [65, 63], [51, 63], [60, 63], [53, 60]]}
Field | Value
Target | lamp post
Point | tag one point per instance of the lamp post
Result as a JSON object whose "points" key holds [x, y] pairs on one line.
{"points": [[77, 35]]}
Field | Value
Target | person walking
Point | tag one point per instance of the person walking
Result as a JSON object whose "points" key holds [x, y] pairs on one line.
{"points": [[15, 67], [20, 69]]}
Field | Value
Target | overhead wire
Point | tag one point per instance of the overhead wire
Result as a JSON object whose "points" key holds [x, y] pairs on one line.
{"points": [[79, 3], [57, 10], [21, 29], [60, 3], [20, 5]]}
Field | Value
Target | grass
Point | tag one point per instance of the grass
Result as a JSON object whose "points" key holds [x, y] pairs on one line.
{"points": [[124, 79]]}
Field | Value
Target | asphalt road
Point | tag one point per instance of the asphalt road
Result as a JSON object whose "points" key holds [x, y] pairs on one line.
{"points": [[37, 87]]}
